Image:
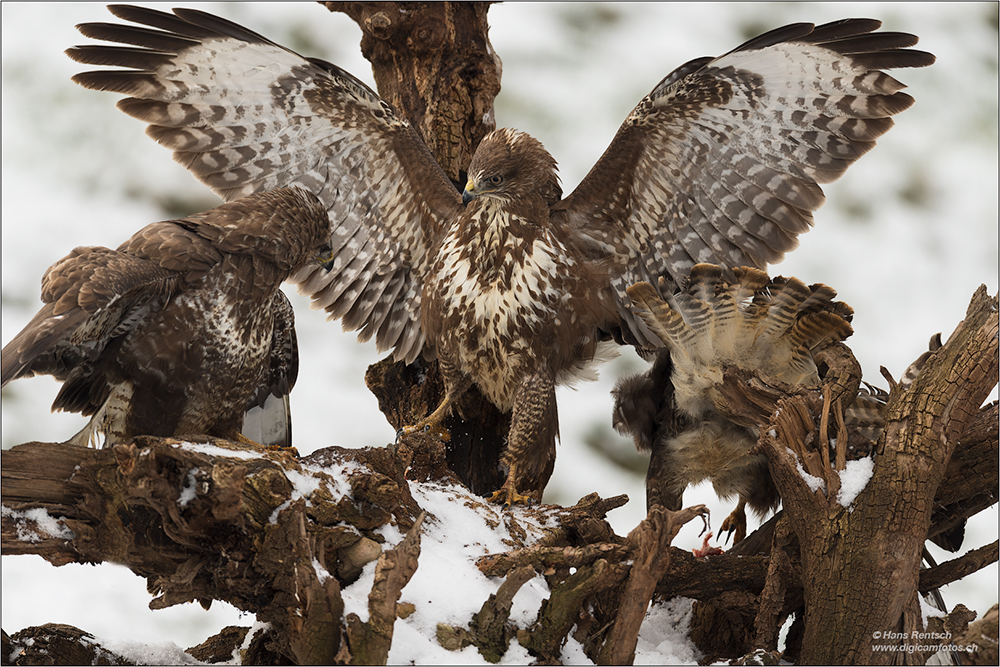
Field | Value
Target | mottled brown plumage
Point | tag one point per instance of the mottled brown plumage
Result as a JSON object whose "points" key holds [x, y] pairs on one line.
{"points": [[720, 163], [513, 302], [180, 330], [773, 327]]}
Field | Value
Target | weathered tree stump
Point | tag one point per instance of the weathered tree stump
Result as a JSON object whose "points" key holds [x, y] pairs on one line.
{"points": [[862, 558]]}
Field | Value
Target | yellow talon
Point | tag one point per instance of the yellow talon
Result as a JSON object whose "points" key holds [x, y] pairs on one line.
{"points": [[284, 450], [508, 495], [440, 431]]}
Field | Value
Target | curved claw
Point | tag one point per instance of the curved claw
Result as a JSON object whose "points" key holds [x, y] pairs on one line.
{"points": [[423, 427], [509, 496], [735, 525]]}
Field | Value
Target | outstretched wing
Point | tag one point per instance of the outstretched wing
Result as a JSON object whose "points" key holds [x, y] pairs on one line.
{"points": [[246, 115], [90, 296], [721, 163]]}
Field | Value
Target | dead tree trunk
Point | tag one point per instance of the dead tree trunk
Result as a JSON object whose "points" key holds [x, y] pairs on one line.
{"points": [[861, 559], [433, 61]]}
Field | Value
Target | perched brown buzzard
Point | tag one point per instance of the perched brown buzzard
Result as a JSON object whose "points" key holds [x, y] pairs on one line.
{"points": [[774, 328], [771, 327], [182, 329], [719, 163]]}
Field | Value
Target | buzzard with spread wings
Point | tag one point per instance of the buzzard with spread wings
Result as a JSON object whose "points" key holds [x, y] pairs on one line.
{"points": [[182, 329], [512, 291]]}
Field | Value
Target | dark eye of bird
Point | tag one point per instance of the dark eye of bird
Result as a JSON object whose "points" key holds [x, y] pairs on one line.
{"points": [[496, 179]]}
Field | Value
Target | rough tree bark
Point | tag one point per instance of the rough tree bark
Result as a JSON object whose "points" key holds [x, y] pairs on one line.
{"points": [[862, 561], [434, 62]]}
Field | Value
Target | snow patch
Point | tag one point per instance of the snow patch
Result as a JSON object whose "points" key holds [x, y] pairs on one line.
{"points": [[338, 475], [927, 610], [853, 480], [273, 519], [257, 627], [321, 572], [663, 637], [572, 651], [45, 525], [214, 450], [190, 490], [814, 483], [141, 653], [304, 484], [458, 530]]}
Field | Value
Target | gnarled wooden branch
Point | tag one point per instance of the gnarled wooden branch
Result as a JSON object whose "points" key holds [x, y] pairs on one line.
{"points": [[863, 563], [211, 521], [649, 541], [370, 641]]}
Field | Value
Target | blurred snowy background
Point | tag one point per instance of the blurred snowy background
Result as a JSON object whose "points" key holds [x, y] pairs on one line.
{"points": [[906, 236]]}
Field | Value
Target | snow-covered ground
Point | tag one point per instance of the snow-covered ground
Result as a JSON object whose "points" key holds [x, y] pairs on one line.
{"points": [[906, 236]]}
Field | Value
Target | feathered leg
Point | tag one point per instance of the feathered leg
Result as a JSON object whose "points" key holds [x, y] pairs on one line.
{"points": [[456, 384], [531, 447]]}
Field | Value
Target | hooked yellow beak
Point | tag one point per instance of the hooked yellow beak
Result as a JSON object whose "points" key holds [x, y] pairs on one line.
{"points": [[325, 258], [470, 192]]}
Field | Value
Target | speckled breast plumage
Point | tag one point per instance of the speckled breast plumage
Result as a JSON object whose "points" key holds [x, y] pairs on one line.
{"points": [[501, 297]]}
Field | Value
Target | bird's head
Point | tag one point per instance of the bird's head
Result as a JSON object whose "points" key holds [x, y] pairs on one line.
{"points": [[326, 257], [287, 227], [508, 165]]}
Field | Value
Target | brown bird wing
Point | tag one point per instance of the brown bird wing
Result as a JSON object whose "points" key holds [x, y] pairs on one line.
{"points": [[268, 419], [246, 115], [91, 296], [722, 161]]}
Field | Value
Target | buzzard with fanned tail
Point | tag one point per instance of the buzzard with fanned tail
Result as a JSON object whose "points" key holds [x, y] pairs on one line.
{"points": [[182, 329], [776, 329], [720, 163]]}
